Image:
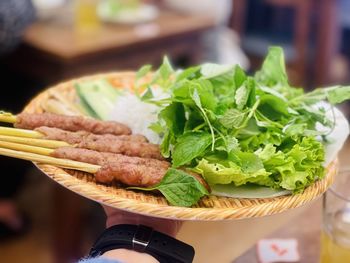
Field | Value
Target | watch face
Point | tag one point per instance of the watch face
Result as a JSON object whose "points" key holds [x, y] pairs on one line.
{"points": [[142, 237]]}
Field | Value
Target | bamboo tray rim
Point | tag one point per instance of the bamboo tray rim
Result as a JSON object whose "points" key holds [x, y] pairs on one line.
{"points": [[211, 208]]}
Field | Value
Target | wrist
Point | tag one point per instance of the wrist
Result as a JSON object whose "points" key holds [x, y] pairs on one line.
{"points": [[129, 256]]}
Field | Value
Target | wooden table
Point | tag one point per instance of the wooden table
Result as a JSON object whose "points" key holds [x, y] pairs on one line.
{"points": [[53, 51], [306, 229]]}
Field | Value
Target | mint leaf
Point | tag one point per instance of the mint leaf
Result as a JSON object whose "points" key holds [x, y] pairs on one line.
{"points": [[239, 76], [211, 70], [197, 101], [338, 94], [179, 188], [233, 118], [143, 71], [273, 107], [165, 70], [205, 92], [273, 70], [147, 95], [232, 144], [174, 117], [162, 76], [189, 146], [335, 95], [243, 94], [187, 73], [156, 127], [165, 145]]}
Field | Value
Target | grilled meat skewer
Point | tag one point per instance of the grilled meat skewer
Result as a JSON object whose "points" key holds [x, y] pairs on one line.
{"points": [[76, 137], [132, 171], [70, 123], [100, 158]]}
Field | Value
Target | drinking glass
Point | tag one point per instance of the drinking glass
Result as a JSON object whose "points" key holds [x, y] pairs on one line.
{"points": [[86, 18], [335, 237]]}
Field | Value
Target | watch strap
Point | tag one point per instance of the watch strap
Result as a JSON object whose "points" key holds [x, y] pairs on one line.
{"points": [[143, 239]]}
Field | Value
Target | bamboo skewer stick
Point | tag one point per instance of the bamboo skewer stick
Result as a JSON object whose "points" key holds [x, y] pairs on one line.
{"points": [[26, 148], [63, 163], [52, 144], [29, 137], [42, 154], [7, 117], [20, 132], [22, 147]]}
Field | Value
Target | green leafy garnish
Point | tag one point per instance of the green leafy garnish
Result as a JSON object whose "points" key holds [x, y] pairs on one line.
{"points": [[179, 188], [190, 146], [143, 71], [237, 129]]}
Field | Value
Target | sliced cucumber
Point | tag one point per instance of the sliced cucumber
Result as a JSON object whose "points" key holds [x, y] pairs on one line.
{"points": [[97, 97]]}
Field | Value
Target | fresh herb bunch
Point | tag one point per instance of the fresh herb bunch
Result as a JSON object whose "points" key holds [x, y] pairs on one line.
{"points": [[234, 128]]}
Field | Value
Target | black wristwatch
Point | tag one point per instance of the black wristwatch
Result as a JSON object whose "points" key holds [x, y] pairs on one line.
{"points": [[164, 248]]}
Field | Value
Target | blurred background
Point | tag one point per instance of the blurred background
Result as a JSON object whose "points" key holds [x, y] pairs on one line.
{"points": [[43, 42]]}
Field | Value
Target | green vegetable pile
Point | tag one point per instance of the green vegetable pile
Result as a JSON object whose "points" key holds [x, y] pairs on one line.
{"points": [[234, 128]]}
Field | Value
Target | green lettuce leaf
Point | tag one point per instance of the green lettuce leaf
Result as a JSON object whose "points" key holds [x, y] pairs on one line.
{"points": [[216, 173]]}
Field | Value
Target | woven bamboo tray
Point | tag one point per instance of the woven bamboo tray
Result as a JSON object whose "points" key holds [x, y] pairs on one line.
{"points": [[209, 208]]}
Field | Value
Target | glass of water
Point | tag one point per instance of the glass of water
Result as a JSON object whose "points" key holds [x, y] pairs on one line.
{"points": [[335, 247]]}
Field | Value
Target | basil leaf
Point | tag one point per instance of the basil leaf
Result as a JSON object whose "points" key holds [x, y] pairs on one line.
{"points": [[179, 188], [189, 146]]}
